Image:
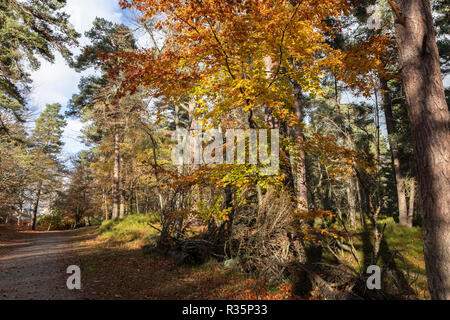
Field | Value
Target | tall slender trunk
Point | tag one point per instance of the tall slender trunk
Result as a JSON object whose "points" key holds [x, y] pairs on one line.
{"points": [[399, 178], [77, 217], [360, 198], [195, 149], [121, 191], [105, 207], [351, 198], [228, 199], [300, 163], [429, 121], [137, 200], [116, 175], [36, 205], [412, 198], [130, 203], [122, 205], [19, 220]]}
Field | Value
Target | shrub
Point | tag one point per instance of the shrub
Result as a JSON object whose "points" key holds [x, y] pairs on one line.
{"points": [[54, 221]]}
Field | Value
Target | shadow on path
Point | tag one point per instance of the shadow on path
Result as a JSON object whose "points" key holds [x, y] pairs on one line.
{"points": [[33, 266]]}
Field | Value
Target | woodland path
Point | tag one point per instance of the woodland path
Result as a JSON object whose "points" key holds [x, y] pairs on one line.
{"points": [[33, 265]]}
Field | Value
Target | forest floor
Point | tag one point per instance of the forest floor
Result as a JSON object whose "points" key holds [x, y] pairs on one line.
{"points": [[121, 270], [403, 248], [33, 267], [114, 266]]}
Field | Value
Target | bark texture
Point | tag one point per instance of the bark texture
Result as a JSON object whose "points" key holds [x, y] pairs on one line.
{"points": [[116, 175], [300, 164], [429, 121]]}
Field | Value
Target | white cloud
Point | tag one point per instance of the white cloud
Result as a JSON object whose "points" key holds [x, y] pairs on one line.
{"points": [[71, 137], [57, 82], [83, 12]]}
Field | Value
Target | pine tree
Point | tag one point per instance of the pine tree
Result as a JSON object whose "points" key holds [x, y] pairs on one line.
{"points": [[429, 121], [47, 145], [29, 30], [99, 98]]}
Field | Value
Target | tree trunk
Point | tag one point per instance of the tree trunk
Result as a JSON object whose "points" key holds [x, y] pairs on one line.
{"points": [[399, 178], [195, 149], [19, 219], [286, 165], [300, 163], [77, 218], [121, 188], [122, 206], [412, 197], [351, 198], [36, 206], [429, 121], [105, 207], [137, 200], [116, 175]]}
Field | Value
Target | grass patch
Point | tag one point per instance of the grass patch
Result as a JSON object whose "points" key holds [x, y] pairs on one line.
{"points": [[406, 240], [405, 244], [133, 229]]}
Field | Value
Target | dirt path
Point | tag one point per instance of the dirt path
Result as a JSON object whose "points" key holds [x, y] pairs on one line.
{"points": [[33, 265]]}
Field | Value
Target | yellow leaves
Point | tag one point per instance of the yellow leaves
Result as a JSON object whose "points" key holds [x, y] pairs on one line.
{"points": [[337, 160], [219, 47], [309, 223], [361, 65]]}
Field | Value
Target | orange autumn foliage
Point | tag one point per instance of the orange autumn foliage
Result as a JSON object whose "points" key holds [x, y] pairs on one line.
{"points": [[243, 55]]}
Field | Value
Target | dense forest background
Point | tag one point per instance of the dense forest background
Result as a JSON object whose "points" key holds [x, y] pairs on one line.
{"points": [[354, 88]]}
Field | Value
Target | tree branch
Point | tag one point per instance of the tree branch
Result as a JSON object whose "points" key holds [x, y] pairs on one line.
{"points": [[397, 11]]}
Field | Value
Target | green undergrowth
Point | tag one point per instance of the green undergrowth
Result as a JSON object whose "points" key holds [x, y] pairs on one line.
{"points": [[131, 229], [402, 244]]}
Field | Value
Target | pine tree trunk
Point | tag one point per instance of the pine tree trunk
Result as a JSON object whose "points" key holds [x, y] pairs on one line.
{"points": [[412, 197], [351, 198], [36, 206], [116, 175], [121, 206], [121, 191], [136, 199], [399, 178], [105, 207], [429, 121]]}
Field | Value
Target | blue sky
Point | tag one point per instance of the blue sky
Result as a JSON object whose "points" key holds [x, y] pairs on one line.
{"points": [[57, 82]]}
